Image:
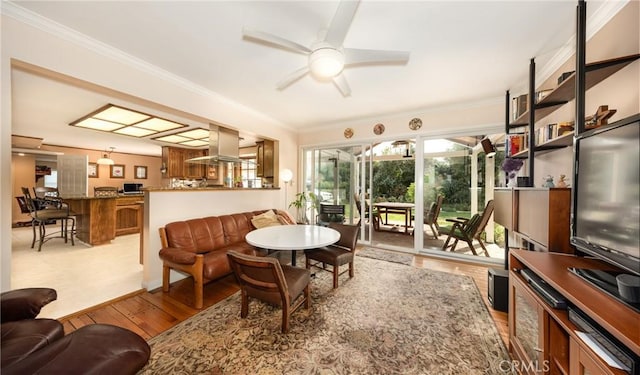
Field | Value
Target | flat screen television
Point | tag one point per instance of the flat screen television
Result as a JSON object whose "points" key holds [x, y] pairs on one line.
{"points": [[606, 194]]}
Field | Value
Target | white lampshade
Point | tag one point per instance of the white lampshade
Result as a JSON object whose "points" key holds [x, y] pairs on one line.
{"points": [[286, 175], [105, 160], [326, 62]]}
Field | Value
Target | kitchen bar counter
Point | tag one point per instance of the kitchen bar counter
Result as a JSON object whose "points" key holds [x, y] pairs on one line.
{"points": [[95, 218], [100, 219]]}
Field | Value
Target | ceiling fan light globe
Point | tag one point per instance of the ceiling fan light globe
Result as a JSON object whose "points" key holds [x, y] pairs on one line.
{"points": [[326, 62]]}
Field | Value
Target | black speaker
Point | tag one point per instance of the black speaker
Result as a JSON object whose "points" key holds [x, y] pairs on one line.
{"points": [[498, 289]]}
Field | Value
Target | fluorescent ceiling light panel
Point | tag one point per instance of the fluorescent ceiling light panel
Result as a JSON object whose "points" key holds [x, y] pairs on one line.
{"points": [[120, 120], [193, 138], [96, 124], [135, 131], [172, 139], [195, 143], [195, 134], [158, 125], [121, 115]]}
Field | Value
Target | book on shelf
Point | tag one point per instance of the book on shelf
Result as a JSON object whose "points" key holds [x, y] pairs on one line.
{"points": [[519, 105], [516, 143]]}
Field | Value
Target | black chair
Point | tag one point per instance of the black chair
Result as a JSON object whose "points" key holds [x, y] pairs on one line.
{"points": [[338, 254], [330, 213], [43, 214]]}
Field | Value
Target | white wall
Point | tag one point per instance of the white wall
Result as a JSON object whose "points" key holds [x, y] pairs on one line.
{"points": [[164, 206], [67, 55]]}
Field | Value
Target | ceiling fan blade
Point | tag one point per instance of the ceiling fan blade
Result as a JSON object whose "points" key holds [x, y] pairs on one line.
{"points": [[291, 78], [341, 83], [275, 40], [341, 22], [353, 56]]}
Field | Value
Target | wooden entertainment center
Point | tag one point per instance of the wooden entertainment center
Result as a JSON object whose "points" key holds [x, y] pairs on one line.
{"points": [[542, 338]]}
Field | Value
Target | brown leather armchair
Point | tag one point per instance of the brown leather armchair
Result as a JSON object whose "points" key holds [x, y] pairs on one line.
{"points": [[30, 345]]}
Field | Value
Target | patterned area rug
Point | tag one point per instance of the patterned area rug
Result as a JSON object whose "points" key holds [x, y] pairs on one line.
{"points": [[388, 256], [388, 319]]}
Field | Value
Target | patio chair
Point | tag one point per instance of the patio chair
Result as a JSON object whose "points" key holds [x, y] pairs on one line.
{"points": [[265, 279], [338, 254], [468, 229], [375, 215], [431, 216]]}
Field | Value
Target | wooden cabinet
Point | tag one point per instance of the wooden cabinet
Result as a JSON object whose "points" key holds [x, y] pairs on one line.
{"points": [[128, 215], [174, 160], [527, 321], [265, 159], [95, 219], [538, 217], [542, 339]]}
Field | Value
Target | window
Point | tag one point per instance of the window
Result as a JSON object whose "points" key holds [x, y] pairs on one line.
{"points": [[250, 174]]}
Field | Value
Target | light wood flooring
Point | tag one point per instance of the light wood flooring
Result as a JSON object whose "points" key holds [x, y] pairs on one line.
{"points": [[150, 313]]}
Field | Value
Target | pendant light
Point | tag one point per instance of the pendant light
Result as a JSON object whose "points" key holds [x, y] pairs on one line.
{"points": [[106, 158]]}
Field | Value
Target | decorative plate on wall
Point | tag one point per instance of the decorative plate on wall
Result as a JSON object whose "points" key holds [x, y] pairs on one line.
{"points": [[415, 124], [348, 133], [378, 129]]}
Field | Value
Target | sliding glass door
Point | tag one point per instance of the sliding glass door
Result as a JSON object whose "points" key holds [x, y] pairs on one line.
{"points": [[388, 189], [335, 179]]}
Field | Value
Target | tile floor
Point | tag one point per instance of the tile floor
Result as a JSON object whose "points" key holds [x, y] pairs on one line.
{"points": [[83, 276]]}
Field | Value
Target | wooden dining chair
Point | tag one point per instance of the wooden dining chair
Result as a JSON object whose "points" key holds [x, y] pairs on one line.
{"points": [[264, 278], [336, 255]]}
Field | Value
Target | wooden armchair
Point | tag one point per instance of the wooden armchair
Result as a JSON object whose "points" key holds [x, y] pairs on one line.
{"points": [[338, 254], [431, 216], [265, 279], [468, 229]]}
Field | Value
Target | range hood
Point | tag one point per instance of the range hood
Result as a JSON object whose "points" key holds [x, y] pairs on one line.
{"points": [[224, 145]]}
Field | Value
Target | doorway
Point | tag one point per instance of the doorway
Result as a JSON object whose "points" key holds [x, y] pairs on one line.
{"points": [[392, 184]]}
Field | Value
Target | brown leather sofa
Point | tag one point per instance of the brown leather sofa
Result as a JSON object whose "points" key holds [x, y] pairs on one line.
{"points": [[39, 346], [199, 247]]}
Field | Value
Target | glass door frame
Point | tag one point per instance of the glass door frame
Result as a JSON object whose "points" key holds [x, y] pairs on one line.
{"points": [[362, 166]]}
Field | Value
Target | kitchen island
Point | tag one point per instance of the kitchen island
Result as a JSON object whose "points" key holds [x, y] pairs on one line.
{"points": [[100, 219], [95, 218]]}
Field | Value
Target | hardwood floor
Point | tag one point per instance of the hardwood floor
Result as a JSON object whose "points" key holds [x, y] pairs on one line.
{"points": [[150, 313]]}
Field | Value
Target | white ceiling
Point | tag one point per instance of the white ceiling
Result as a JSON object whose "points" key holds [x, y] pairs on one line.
{"points": [[461, 51]]}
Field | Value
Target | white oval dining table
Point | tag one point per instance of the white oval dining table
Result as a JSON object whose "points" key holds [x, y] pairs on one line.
{"points": [[292, 237]]}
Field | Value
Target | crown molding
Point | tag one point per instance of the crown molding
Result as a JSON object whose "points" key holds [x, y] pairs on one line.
{"points": [[56, 29]]}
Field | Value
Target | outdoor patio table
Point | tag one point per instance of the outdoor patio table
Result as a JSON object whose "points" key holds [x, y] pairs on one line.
{"points": [[397, 208]]}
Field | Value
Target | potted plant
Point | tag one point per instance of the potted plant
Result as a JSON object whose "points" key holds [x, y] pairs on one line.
{"points": [[300, 203]]}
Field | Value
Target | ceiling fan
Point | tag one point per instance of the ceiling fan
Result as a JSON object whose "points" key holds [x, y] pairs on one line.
{"points": [[327, 56]]}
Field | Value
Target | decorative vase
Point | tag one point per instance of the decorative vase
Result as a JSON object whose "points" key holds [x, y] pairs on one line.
{"points": [[512, 181]]}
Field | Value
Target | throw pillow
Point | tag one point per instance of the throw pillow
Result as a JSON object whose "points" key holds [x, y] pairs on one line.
{"points": [[266, 219], [285, 218]]}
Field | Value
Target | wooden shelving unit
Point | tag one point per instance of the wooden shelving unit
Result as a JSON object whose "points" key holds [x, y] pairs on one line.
{"points": [[562, 141], [596, 72]]}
